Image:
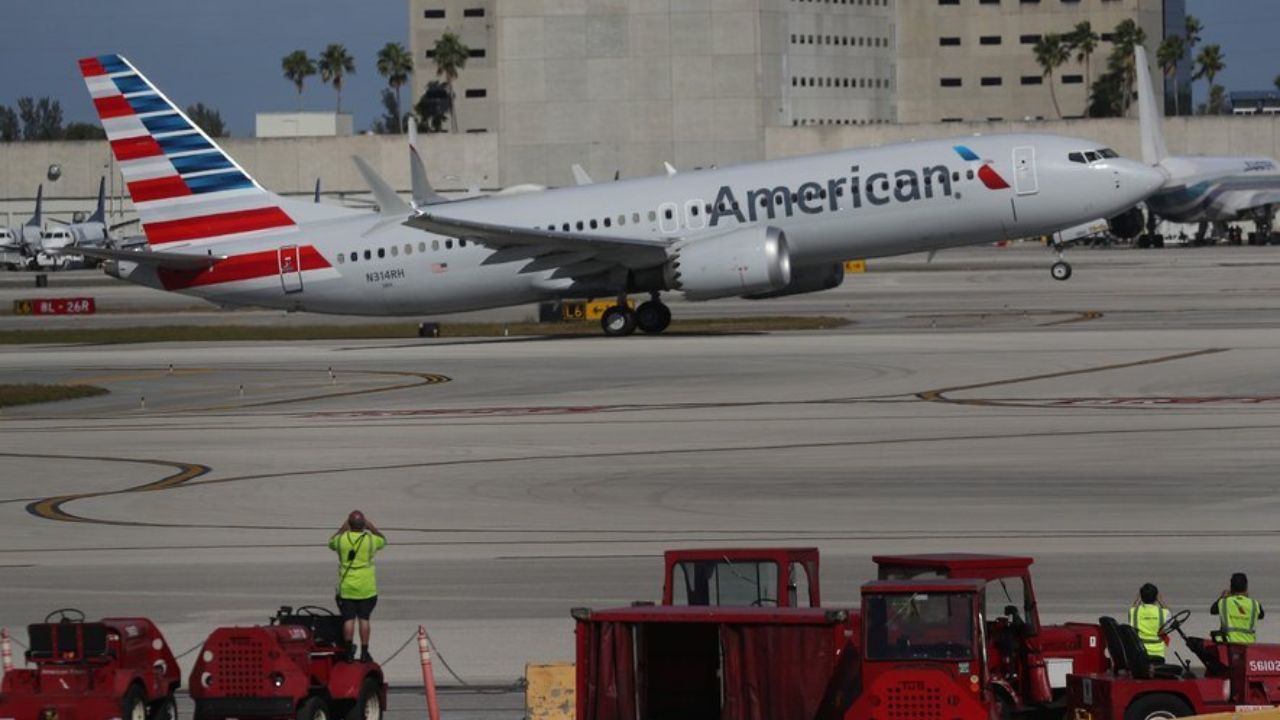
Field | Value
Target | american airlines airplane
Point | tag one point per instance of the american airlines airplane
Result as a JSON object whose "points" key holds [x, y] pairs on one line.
{"points": [[760, 230], [1201, 189]]}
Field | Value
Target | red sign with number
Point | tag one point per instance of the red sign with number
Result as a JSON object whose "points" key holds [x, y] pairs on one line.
{"points": [[55, 306]]}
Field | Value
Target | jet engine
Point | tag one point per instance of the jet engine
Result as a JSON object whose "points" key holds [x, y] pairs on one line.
{"points": [[813, 278], [744, 262], [1128, 224]]}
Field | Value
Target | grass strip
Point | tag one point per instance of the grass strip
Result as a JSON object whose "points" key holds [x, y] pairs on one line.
{"points": [[31, 394], [231, 333]]}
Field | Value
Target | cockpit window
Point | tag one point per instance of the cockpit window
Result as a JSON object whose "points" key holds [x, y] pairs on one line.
{"points": [[1076, 158], [1108, 153], [1092, 156]]}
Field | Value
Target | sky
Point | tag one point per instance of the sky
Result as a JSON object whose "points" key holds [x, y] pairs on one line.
{"points": [[226, 53]]}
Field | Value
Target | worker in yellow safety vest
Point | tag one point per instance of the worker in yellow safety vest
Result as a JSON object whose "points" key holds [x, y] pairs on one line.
{"points": [[1147, 615], [1238, 613]]}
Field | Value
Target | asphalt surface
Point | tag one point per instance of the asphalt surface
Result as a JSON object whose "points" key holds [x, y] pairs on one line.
{"points": [[1120, 427]]}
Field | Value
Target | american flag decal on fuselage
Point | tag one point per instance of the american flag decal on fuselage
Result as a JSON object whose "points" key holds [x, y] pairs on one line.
{"points": [[186, 189]]}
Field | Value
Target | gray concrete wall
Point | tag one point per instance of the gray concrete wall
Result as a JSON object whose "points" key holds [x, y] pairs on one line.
{"points": [[1226, 135], [288, 166]]}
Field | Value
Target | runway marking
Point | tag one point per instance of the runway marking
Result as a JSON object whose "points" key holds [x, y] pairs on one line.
{"points": [[188, 473], [1085, 316], [146, 375], [940, 395], [52, 508]]}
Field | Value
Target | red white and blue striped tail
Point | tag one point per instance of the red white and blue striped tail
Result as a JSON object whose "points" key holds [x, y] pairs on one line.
{"points": [[186, 189]]}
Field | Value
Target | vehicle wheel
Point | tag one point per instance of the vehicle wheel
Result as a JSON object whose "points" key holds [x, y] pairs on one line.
{"points": [[618, 321], [313, 708], [134, 705], [369, 705], [1061, 270], [653, 317], [165, 708], [1157, 707]]}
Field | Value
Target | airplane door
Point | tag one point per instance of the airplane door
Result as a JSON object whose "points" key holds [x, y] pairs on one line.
{"points": [[1025, 181], [290, 269]]}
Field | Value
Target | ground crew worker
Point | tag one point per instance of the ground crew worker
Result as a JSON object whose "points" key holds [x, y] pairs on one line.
{"points": [[1147, 615], [356, 542], [1238, 613]]}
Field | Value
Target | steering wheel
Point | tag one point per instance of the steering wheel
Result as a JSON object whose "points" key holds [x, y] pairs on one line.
{"points": [[65, 615], [315, 611], [764, 602], [1175, 623]]}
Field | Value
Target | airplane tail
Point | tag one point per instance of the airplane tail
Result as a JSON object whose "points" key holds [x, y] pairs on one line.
{"points": [[37, 220], [186, 189], [100, 213], [423, 193], [1154, 149]]}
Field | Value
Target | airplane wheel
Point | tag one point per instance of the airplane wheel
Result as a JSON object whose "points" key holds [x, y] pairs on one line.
{"points": [[1061, 270], [653, 317], [618, 321]]}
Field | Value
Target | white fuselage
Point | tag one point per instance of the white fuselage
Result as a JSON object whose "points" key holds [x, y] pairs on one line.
{"points": [[833, 207], [1216, 189]]}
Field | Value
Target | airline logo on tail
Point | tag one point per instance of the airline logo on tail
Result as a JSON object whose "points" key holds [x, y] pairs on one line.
{"points": [[986, 173], [185, 187]]}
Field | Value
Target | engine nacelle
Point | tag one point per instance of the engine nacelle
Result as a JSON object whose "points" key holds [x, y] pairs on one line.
{"points": [[810, 279], [745, 262], [1128, 224]]}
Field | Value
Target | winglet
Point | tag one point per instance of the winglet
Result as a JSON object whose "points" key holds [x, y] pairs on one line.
{"points": [[580, 175], [100, 213], [423, 193], [37, 220], [389, 203], [1154, 149], [671, 169]]}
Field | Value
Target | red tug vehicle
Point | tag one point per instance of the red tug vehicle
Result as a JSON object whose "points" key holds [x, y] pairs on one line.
{"points": [[294, 667], [112, 668]]}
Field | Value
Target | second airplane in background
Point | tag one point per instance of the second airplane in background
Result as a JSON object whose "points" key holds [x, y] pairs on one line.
{"points": [[760, 230]]}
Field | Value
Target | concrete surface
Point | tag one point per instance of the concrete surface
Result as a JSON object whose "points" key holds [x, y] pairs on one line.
{"points": [[1120, 427]]}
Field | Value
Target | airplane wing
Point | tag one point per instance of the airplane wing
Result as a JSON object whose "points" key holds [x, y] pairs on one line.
{"points": [[571, 254], [163, 260]]}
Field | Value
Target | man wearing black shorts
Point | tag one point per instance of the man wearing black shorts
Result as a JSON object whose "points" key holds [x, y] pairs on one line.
{"points": [[356, 543]]}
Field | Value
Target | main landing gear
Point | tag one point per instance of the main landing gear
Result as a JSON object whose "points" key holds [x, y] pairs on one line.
{"points": [[651, 318]]}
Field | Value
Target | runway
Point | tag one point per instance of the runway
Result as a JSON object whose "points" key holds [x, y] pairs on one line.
{"points": [[1120, 428]]}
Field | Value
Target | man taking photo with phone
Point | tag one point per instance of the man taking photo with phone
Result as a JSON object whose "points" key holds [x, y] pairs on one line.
{"points": [[356, 543]]}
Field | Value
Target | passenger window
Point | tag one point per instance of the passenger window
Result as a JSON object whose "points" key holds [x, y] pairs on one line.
{"points": [[448, 244], [635, 218], [593, 225], [462, 243], [408, 248], [422, 247], [579, 224], [395, 251], [368, 255], [382, 252], [342, 258], [622, 220], [653, 216], [355, 257], [969, 174], [435, 245], [608, 222]]}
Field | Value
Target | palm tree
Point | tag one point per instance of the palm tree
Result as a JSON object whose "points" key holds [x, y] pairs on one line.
{"points": [[395, 64], [1084, 41], [297, 68], [450, 56], [1277, 82], [1051, 54], [335, 64], [1127, 36], [1192, 27], [1210, 63], [1171, 51]]}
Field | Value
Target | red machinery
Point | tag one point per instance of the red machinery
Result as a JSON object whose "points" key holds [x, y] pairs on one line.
{"points": [[1028, 661], [755, 577], [294, 667], [1236, 677], [112, 668]]}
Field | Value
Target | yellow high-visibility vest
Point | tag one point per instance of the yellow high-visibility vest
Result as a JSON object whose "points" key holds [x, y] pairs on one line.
{"points": [[1239, 617], [1147, 620]]}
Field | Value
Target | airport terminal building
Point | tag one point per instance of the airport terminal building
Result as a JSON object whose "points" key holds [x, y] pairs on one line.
{"points": [[619, 85]]}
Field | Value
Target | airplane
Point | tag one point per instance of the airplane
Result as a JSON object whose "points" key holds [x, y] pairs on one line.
{"points": [[761, 230], [93, 231], [25, 238], [1202, 189]]}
